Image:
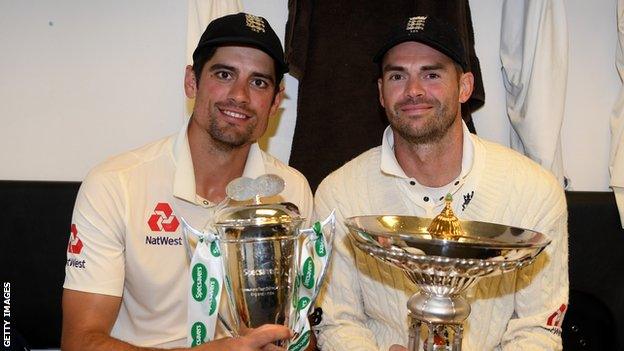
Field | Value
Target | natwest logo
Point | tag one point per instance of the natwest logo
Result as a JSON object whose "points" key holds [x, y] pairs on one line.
{"points": [[75, 244], [163, 219]]}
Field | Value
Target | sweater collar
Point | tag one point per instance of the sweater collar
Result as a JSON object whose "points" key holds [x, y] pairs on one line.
{"points": [[390, 165]]}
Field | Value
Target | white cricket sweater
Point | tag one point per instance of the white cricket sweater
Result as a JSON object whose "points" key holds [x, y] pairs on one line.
{"points": [[364, 304]]}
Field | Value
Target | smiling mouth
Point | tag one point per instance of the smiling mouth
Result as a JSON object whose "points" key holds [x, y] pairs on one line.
{"points": [[234, 114], [415, 108]]}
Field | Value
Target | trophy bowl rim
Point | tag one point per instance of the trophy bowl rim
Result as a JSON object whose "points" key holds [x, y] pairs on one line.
{"points": [[428, 263], [540, 241]]}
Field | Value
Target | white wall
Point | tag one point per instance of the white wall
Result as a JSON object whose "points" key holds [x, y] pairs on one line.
{"points": [[80, 81]]}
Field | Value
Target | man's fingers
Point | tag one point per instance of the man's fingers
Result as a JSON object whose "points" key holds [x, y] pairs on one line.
{"points": [[396, 347], [271, 347], [267, 334]]}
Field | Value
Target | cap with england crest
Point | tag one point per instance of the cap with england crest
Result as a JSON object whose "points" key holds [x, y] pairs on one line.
{"points": [[246, 29], [430, 31]]}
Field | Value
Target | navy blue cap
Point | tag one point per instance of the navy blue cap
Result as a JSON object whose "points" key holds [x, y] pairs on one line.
{"points": [[430, 31], [243, 28]]}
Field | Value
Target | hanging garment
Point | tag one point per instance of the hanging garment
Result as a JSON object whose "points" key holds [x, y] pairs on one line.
{"points": [[534, 57], [616, 157], [330, 47], [202, 12]]}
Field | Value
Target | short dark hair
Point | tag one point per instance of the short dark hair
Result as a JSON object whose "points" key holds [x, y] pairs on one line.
{"points": [[206, 54]]}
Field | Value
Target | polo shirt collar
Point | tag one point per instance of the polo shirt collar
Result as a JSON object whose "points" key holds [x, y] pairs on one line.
{"points": [[184, 177], [390, 165]]}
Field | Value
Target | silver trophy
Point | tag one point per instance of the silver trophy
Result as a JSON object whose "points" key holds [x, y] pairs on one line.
{"points": [[443, 257], [261, 246]]}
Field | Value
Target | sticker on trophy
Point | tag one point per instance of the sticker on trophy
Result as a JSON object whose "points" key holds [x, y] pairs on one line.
{"points": [[243, 188]]}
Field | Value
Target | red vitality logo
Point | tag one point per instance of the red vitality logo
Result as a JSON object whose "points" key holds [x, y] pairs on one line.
{"points": [[75, 244], [163, 219], [556, 319]]}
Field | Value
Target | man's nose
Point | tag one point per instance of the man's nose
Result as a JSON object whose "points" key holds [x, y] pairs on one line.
{"points": [[239, 92], [414, 88]]}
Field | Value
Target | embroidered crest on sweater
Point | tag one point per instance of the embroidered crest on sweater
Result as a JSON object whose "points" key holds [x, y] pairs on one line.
{"points": [[467, 198]]}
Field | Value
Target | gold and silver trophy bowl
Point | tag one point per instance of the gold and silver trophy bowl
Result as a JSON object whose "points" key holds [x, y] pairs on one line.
{"points": [[443, 257]]}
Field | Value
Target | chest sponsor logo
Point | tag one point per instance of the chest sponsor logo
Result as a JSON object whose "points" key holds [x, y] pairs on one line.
{"points": [[75, 244], [72, 262], [162, 221]]}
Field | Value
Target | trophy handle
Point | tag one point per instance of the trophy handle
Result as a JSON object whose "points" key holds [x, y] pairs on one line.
{"points": [[329, 235], [224, 323]]}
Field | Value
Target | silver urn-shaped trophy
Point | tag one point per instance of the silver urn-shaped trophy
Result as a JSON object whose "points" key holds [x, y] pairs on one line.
{"points": [[443, 257], [272, 267]]}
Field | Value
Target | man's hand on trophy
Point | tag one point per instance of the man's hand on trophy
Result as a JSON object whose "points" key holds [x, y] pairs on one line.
{"points": [[396, 347], [257, 339]]}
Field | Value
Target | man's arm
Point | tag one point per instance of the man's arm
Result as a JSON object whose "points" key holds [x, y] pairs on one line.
{"points": [[88, 319], [541, 296], [342, 326]]}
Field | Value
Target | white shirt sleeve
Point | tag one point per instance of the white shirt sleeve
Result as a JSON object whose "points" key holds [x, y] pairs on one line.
{"points": [[97, 264], [342, 326], [534, 58], [616, 159], [541, 297]]}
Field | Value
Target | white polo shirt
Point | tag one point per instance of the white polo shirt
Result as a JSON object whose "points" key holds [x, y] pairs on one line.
{"points": [[127, 239]]}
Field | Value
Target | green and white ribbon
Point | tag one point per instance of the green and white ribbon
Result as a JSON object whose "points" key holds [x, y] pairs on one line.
{"points": [[205, 285], [314, 259]]}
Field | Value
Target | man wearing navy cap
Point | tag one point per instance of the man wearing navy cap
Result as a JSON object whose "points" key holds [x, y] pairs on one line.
{"points": [[127, 275], [426, 153]]}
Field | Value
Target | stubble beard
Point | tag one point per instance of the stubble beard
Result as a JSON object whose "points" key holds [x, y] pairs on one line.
{"points": [[227, 137], [436, 127]]}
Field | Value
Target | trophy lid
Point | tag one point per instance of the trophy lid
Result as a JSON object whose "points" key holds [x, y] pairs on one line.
{"points": [[242, 213]]}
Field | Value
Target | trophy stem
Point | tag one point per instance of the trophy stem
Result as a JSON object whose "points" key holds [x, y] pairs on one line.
{"points": [[443, 316], [414, 333], [457, 339]]}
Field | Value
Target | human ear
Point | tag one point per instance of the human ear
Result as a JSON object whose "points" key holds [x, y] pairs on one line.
{"points": [[190, 82], [277, 100], [380, 89], [466, 86]]}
